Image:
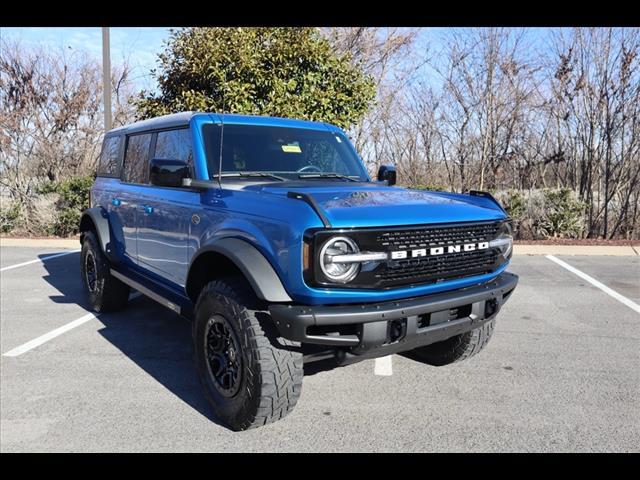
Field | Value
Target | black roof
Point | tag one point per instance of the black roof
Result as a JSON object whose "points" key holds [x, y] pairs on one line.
{"points": [[182, 119], [166, 121]]}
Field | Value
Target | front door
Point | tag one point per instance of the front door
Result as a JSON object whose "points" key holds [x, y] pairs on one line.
{"points": [[165, 214]]}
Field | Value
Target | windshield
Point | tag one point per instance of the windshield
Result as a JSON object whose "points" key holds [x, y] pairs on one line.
{"points": [[289, 153]]}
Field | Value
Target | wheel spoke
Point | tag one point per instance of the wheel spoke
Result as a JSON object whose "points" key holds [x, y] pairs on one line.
{"points": [[223, 356], [91, 272]]}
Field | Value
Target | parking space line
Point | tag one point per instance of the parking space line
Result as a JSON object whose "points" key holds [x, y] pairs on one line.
{"points": [[383, 366], [38, 260], [622, 299], [36, 342]]}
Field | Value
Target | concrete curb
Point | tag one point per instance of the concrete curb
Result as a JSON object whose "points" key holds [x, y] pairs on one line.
{"points": [[70, 243], [74, 243], [576, 250]]}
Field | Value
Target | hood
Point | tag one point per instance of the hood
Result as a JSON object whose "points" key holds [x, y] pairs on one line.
{"points": [[349, 205]]}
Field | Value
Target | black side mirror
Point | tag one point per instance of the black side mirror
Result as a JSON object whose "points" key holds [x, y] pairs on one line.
{"points": [[168, 173], [387, 173]]}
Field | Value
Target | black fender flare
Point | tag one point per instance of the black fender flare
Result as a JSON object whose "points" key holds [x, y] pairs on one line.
{"points": [[254, 266], [100, 220]]}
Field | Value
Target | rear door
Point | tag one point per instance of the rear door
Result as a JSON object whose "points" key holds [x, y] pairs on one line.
{"points": [[107, 187], [165, 213], [128, 199]]}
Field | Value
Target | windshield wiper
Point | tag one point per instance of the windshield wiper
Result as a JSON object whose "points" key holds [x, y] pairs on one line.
{"points": [[254, 174], [326, 175]]}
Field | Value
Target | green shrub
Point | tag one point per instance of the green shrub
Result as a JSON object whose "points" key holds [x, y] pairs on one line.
{"points": [[9, 217], [431, 186], [515, 204], [544, 213], [275, 71], [74, 198], [563, 214]]}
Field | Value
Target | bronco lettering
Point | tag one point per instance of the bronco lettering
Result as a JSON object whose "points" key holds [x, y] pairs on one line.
{"points": [[422, 252]]}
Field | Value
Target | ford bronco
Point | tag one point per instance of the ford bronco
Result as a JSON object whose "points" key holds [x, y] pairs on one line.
{"points": [[269, 236]]}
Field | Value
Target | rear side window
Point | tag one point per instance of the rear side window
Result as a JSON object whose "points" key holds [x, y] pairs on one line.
{"points": [[174, 145], [108, 165], [136, 158]]}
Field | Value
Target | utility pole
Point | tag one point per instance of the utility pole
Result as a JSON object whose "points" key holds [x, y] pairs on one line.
{"points": [[106, 78]]}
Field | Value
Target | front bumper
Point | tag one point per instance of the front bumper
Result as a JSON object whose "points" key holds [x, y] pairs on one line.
{"points": [[376, 329]]}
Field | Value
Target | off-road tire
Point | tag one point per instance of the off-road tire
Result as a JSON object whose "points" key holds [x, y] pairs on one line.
{"points": [[454, 349], [108, 294], [271, 369]]}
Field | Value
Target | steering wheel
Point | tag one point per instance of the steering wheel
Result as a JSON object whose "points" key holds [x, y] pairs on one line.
{"points": [[309, 168]]}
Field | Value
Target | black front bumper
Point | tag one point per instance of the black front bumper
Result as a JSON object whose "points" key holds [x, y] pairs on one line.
{"points": [[376, 329]]}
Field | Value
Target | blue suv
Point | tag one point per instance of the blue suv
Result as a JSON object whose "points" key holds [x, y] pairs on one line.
{"points": [[271, 238]]}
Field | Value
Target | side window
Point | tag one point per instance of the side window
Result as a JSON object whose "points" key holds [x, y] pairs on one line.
{"points": [[108, 165], [174, 145], [136, 158]]}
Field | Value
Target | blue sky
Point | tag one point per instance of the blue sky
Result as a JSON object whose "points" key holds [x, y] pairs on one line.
{"points": [[139, 46]]}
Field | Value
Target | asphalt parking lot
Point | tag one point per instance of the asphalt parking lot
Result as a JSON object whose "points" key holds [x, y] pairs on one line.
{"points": [[562, 373]]}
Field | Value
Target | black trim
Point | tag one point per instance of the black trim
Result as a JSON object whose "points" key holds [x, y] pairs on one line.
{"points": [[162, 300], [293, 321], [305, 197], [481, 193], [255, 267], [100, 219]]}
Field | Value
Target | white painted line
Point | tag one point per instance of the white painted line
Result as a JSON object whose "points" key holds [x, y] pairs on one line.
{"points": [[384, 366], [622, 299], [36, 342], [38, 260]]}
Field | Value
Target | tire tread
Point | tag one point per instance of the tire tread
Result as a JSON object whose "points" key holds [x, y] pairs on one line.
{"points": [[280, 370], [455, 349]]}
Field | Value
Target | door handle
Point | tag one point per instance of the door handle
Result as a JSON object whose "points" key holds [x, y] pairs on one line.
{"points": [[146, 209], [115, 202]]}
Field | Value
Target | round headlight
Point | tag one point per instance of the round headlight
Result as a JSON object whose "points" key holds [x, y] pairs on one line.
{"points": [[334, 271], [504, 240]]}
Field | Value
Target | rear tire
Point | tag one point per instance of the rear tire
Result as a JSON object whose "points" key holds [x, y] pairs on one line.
{"points": [[454, 349], [250, 375], [104, 292]]}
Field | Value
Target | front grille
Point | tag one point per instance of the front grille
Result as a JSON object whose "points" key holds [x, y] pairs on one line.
{"points": [[427, 269], [432, 237], [438, 268], [432, 269]]}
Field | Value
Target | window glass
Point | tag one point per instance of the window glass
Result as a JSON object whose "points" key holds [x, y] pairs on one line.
{"points": [[174, 145], [136, 158], [109, 157], [285, 151]]}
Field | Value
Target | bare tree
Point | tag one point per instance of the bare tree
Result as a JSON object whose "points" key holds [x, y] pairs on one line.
{"points": [[51, 121], [50, 116]]}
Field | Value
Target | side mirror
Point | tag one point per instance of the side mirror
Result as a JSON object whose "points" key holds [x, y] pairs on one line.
{"points": [[387, 173], [168, 173]]}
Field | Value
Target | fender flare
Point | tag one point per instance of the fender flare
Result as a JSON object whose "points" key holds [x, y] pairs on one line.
{"points": [[254, 266], [100, 219]]}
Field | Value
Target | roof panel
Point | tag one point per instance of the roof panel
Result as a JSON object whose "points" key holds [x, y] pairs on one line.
{"points": [[182, 119]]}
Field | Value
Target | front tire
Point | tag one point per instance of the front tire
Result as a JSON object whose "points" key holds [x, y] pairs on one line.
{"points": [[104, 292], [454, 349], [250, 375]]}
